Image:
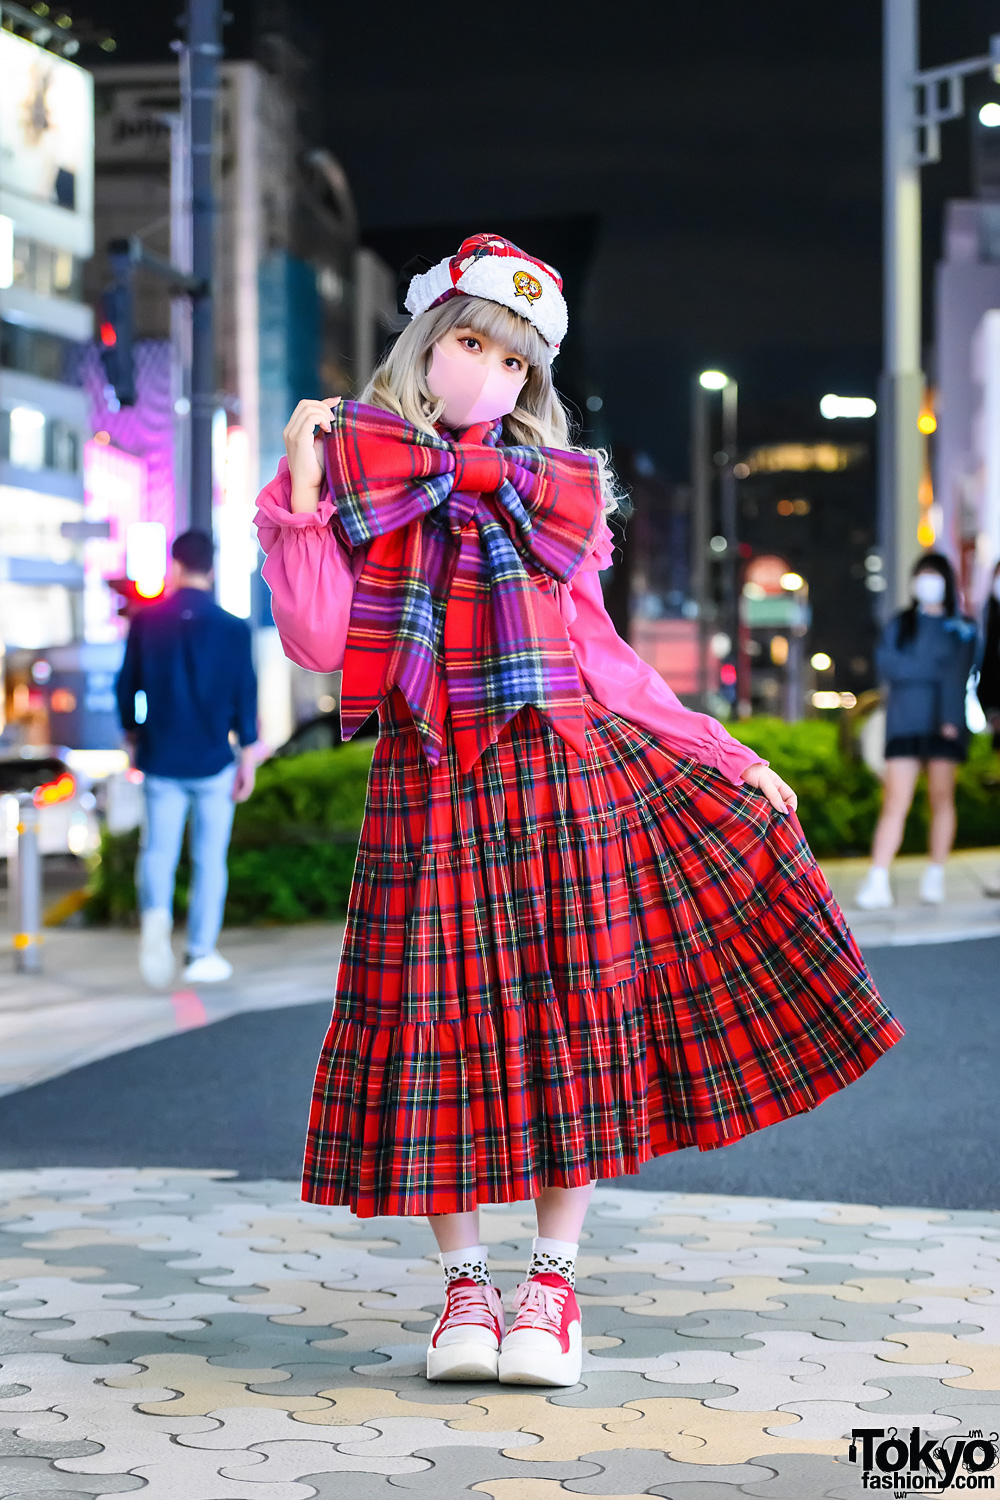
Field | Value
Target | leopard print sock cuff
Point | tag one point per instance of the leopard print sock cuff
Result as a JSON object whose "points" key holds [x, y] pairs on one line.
{"points": [[470, 1262]]}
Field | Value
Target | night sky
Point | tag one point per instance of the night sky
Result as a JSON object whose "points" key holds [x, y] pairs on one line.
{"points": [[723, 160]]}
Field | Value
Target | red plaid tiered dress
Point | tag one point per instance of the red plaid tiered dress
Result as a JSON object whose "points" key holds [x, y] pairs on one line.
{"points": [[565, 953], [557, 967]]}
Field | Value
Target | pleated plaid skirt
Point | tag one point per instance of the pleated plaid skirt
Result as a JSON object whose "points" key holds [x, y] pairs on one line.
{"points": [[556, 968]]}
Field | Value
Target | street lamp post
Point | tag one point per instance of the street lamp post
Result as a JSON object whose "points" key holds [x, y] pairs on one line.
{"points": [[702, 509], [702, 468], [728, 512], [915, 104], [701, 496]]}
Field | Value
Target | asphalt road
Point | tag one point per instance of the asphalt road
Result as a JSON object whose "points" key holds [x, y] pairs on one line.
{"points": [[921, 1128]]}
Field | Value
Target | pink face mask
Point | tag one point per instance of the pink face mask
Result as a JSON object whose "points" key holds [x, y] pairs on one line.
{"points": [[472, 391]]}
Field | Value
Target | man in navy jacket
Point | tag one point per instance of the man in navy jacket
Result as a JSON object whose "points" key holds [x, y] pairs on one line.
{"points": [[186, 689]]}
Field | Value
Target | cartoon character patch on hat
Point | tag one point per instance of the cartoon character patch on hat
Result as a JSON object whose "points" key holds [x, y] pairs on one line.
{"points": [[493, 268], [527, 286]]}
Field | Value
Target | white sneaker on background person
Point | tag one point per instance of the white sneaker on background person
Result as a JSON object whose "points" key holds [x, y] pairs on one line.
{"points": [[156, 956], [875, 893], [932, 885], [210, 968]]}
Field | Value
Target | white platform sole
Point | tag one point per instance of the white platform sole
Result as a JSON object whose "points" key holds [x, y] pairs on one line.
{"points": [[527, 1366], [462, 1362]]}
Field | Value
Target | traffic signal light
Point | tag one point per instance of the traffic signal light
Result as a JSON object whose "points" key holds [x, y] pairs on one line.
{"points": [[133, 595], [116, 326]]}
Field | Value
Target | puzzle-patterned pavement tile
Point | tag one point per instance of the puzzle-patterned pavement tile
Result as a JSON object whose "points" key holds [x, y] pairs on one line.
{"points": [[196, 1337]]}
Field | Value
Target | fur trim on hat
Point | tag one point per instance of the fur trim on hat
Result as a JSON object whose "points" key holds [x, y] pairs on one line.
{"points": [[494, 269]]}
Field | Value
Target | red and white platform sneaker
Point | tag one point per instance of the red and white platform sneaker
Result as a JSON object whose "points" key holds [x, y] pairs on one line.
{"points": [[465, 1341], [544, 1346]]}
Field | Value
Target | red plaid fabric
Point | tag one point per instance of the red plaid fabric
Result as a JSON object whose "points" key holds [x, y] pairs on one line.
{"points": [[556, 968], [445, 607]]}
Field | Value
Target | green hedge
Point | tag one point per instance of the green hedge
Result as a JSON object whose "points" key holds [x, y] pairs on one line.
{"points": [[294, 841], [839, 798], [293, 848]]}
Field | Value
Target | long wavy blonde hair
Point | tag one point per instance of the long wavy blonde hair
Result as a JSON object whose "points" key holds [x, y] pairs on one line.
{"points": [[538, 420]]}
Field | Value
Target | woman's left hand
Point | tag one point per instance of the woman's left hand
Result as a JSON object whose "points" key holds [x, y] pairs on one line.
{"points": [[777, 792]]}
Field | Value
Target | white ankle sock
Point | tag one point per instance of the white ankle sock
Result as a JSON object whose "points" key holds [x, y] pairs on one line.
{"points": [[470, 1261], [558, 1256]]}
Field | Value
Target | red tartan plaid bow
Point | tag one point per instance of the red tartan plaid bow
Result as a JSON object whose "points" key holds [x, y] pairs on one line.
{"points": [[455, 603]]}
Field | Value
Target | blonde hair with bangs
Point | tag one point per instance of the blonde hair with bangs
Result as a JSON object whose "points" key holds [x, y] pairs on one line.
{"points": [[539, 420]]}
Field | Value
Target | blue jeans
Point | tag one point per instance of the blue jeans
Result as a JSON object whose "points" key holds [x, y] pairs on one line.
{"points": [[168, 801]]}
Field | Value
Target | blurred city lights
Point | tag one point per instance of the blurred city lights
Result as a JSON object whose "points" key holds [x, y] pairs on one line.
{"points": [[6, 251], [820, 662], [826, 700], [779, 650], [146, 557], [718, 543], [927, 422], [713, 380], [847, 406], [989, 116], [721, 644], [791, 581], [27, 437]]}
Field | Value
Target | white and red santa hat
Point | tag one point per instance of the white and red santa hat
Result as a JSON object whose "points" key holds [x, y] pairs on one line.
{"points": [[490, 267]]}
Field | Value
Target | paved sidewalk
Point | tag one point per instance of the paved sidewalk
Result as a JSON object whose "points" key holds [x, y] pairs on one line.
{"points": [[967, 913], [91, 1002], [198, 1338]]}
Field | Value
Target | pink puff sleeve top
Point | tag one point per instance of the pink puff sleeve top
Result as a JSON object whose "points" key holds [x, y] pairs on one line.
{"points": [[311, 577]]}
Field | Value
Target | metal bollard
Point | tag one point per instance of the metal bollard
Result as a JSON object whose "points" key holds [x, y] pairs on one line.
{"points": [[28, 887]]}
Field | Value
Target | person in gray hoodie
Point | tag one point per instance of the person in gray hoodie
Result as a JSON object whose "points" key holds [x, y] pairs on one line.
{"points": [[924, 658]]}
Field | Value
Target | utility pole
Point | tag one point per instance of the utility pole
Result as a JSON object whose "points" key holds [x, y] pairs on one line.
{"points": [[915, 104], [729, 513], [902, 383], [204, 48]]}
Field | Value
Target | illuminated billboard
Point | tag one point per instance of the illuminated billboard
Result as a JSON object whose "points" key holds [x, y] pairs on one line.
{"points": [[46, 146]]}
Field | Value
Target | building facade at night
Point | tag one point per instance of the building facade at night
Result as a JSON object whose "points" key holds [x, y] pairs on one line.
{"points": [[286, 313], [46, 236]]}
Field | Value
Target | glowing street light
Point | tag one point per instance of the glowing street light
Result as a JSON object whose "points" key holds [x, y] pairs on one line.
{"points": [[847, 406], [989, 116], [713, 380], [820, 661], [791, 581]]}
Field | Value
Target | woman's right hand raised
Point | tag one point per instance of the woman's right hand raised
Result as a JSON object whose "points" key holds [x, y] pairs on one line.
{"points": [[305, 451]]}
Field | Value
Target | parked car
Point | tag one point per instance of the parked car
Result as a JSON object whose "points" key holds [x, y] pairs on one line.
{"points": [[67, 821]]}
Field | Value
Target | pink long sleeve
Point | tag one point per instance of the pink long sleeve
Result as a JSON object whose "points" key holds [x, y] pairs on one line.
{"points": [[625, 684], [309, 574]]}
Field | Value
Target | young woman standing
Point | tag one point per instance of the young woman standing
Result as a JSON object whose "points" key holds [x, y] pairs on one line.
{"points": [[584, 928], [924, 657]]}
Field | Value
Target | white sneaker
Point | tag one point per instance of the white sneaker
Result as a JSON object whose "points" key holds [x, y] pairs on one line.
{"points": [[545, 1345], [210, 968], [932, 885], [156, 957], [875, 893], [465, 1340]]}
